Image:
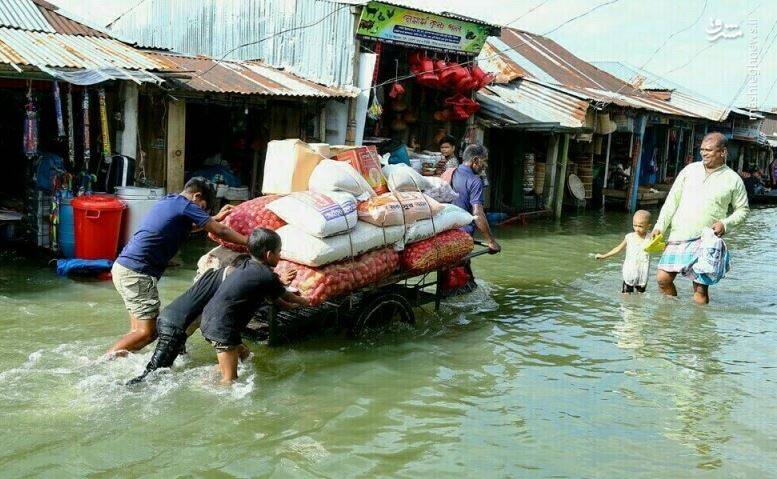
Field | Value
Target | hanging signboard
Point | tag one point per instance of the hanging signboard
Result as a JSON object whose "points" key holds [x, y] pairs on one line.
{"points": [[404, 26]]}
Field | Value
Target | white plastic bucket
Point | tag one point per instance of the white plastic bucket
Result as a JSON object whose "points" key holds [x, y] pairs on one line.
{"points": [[139, 202]]}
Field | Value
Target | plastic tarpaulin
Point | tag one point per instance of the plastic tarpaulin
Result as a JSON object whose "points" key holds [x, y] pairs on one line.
{"points": [[67, 267]]}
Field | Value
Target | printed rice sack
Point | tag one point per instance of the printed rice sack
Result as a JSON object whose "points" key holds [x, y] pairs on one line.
{"points": [[317, 214], [366, 161], [309, 250], [445, 249], [393, 209], [249, 215], [215, 259], [440, 190], [321, 284], [401, 177], [451, 217], [331, 175]]}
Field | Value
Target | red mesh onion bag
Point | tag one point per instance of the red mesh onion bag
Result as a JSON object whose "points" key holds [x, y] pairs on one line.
{"points": [[445, 249], [336, 279], [248, 216]]}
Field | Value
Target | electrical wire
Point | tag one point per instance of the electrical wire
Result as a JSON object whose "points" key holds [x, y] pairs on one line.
{"points": [[696, 55], [661, 47], [269, 37], [761, 55], [768, 93], [600, 104], [496, 53], [526, 13]]}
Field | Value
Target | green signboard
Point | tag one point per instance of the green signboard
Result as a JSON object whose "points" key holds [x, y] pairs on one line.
{"points": [[404, 26]]}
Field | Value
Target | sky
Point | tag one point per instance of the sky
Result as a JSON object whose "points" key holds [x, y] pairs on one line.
{"points": [[707, 46]]}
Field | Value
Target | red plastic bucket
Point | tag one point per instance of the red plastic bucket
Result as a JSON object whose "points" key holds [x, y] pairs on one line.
{"points": [[97, 226]]}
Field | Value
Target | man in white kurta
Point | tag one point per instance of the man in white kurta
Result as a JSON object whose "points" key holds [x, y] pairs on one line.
{"points": [[701, 197]]}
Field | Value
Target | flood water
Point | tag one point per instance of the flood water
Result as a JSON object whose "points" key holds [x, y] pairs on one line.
{"points": [[546, 371]]}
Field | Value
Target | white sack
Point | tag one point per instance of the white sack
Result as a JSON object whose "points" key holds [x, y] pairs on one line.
{"points": [[401, 177], [317, 214], [440, 190], [311, 251], [451, 217], [331, 175], [215, 259]]}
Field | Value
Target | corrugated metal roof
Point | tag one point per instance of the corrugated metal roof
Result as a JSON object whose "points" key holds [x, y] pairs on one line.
{"points": [[636, 77], [679, 96], [245, 78], [311, 38], [20, 47], [526, 103], [545, 61], [23, 14], [63, 24]]}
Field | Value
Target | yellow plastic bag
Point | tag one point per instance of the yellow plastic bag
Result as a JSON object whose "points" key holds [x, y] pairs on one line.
{"points": [[657, 245]]}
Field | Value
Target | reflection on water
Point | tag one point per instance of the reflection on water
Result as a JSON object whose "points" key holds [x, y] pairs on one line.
{"points": [[545, 371]]}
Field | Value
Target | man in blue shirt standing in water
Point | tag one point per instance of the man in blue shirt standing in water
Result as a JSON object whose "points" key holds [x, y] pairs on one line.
{"points": [[143, 260], [468, 183]]}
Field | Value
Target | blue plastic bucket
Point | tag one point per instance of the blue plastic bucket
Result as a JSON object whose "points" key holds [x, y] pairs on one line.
{"points": [[67, 235]]}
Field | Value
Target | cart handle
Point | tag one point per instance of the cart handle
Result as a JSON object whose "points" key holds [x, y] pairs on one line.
{"points": [[487, 251]]}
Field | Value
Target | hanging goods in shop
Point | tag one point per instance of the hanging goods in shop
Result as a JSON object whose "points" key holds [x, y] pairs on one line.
{"points": [[87, 152], [71, 144], [482, 78], [375, 111], [30, 127], [528, 173], [397, 90], [106, 136], [462, 107], [58, 109]]}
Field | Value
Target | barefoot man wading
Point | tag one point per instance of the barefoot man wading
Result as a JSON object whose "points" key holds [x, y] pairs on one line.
{"points": [[701, 197]]}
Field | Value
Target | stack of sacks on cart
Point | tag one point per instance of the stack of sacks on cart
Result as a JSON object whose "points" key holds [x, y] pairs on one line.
{"points": [[346, 221]]}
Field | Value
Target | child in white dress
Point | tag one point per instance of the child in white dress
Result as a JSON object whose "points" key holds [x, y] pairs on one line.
{"points": [[637, 263]]}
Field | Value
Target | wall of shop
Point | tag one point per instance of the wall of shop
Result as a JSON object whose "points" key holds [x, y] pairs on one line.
{"points": [[291, 32]]}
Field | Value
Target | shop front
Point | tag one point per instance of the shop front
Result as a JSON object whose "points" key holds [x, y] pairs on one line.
{"points": [[422, 86]]}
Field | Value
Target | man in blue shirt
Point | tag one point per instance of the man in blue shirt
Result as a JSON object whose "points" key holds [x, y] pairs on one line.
{"points": [[143, 260], [468, 183]]}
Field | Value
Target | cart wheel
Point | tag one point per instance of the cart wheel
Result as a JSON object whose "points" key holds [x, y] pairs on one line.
{"points": [[382, 310]]}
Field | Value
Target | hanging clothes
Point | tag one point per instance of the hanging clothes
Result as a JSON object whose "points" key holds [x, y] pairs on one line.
{"points": [[87, 151], [30, 126], [58, 109], [106, 136], [71, 143]]}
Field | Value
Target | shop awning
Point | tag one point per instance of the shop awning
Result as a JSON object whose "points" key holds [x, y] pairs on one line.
{"points": [[206, 75], [528, 105], [58, 54]]}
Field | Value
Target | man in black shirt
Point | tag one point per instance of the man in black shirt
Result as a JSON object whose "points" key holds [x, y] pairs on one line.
{"points": [[178, 316], [241, 293]]}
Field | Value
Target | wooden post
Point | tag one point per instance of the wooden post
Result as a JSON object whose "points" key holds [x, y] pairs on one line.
{"points": [[550, 171], [176, 141], [606, 166], [691, 143], [129, 114], [678, 150], [636, 163], [665, 157], [561, 181], [254, 173]]}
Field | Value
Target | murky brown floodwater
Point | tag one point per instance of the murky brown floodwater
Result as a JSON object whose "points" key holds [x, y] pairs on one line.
{"points": [[546, 372]]}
